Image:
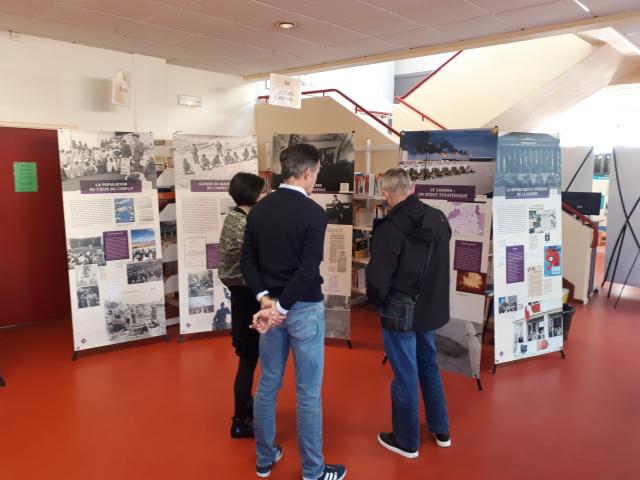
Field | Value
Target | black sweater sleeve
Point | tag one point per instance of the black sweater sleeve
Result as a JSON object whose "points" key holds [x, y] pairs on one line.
{"points": [[386, 247], [309, 269], [249, 260]]}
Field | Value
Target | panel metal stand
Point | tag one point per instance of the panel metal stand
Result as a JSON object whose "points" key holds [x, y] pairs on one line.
{"points": [[181, 338], [479, 383], [74, 356], [561, 351], [2, 382], [621, 237], [349, 344]]}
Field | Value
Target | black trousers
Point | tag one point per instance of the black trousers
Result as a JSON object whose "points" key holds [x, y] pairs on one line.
{"points": [[247, 343]]}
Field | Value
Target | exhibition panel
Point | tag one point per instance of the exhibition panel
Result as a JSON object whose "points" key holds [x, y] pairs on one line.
{"points": [[112, 228], [204, 166], [453, 171], [334, 193], [527, 231]]}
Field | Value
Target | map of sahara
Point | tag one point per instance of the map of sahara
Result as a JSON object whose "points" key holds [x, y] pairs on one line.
{"points": [[466, 219]]}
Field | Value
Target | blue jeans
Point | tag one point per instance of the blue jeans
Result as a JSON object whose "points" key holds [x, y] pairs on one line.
{"points": [[303, 332], [413, 358]]}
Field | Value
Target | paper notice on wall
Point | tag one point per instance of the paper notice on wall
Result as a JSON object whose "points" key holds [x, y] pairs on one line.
{"points": [[121, 89], [25, 176], [285, 91]]}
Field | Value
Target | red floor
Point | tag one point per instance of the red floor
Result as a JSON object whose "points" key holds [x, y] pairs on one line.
{"points": [[161, 410]]}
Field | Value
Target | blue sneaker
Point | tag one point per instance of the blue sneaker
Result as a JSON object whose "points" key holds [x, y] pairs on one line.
{"points": [[264, 472], [333, 472]]}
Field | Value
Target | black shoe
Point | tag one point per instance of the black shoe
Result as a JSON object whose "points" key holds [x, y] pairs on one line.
{"points": [[442, 439], [333, 472], [241, 428], [264, 472], [388, 441]]}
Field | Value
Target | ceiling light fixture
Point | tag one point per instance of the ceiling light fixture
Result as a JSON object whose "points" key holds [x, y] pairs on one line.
{"points": [[286, 25], [582, 5]]}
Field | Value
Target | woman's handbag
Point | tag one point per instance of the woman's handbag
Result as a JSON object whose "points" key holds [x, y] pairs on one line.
{"points": [[398, 309]]}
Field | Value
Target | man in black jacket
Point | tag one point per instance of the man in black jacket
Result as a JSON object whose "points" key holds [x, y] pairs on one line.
{"points": [[410, 264], [281, 255]]}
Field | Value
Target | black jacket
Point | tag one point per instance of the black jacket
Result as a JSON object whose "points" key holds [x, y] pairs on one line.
{"points": [[398, 252], [283, 247]]}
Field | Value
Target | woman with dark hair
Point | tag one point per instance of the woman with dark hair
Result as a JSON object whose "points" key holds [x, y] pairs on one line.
{"points": [[246, 189]]}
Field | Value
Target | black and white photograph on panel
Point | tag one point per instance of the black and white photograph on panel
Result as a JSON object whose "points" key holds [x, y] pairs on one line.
{"points": [[528, 160], [201, 292], [144, 272], [541, 220], [508, 304], [88, 296], [339, 208], [124, 210], [85, 251], [206, 157], [87, 275], [337, 159], [143, 245], [131, 321], [222, 317], [555, 324], [459, 347], [337, 316], [106, 156]]}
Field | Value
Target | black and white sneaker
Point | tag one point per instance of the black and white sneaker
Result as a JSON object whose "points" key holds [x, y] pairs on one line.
{"points": [[442, 439], [264, 472], [388, 441], [333, 472]]}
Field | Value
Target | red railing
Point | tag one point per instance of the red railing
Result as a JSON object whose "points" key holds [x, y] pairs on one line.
{"points": [[424, 116], [350, 100], [586, 220], [430, 76]]}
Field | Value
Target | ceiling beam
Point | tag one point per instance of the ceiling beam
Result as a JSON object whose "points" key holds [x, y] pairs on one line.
{"points": [[488, 41]]}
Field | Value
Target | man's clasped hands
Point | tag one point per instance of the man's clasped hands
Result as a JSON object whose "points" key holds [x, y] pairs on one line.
{"points": [[268, 316]]}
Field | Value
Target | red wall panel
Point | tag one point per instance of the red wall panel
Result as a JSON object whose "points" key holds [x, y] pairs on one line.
{"points": [[33, 272]]}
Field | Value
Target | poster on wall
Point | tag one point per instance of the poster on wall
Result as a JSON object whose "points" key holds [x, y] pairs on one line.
{"points": [[333, 192], [114, 255], [203, 167], [527, 247], [453, 171]]}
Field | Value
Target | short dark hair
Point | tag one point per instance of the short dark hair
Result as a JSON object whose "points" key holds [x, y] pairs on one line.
{"points": [[245, 188], [295, 159]]}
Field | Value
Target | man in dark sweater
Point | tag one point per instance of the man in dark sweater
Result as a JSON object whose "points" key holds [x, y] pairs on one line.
{"points": [[410, 265], [281, 255]]}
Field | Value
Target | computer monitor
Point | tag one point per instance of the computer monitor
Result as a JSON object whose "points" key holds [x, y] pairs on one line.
{"points": [[587, 203]]}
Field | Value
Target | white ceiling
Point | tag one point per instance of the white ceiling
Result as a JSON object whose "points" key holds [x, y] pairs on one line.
{"points": [[240, 36]]}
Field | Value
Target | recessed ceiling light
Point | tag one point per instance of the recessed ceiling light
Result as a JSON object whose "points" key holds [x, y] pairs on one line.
{"points": [[582, 5], [286, 25]]}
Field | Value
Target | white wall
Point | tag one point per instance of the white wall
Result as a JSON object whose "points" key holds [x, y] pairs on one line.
{"points": [[421, 64], [228, 103], [369, 85], [58, 83]]}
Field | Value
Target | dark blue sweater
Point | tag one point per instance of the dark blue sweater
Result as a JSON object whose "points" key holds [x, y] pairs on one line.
{"points": [[283, 247]]}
